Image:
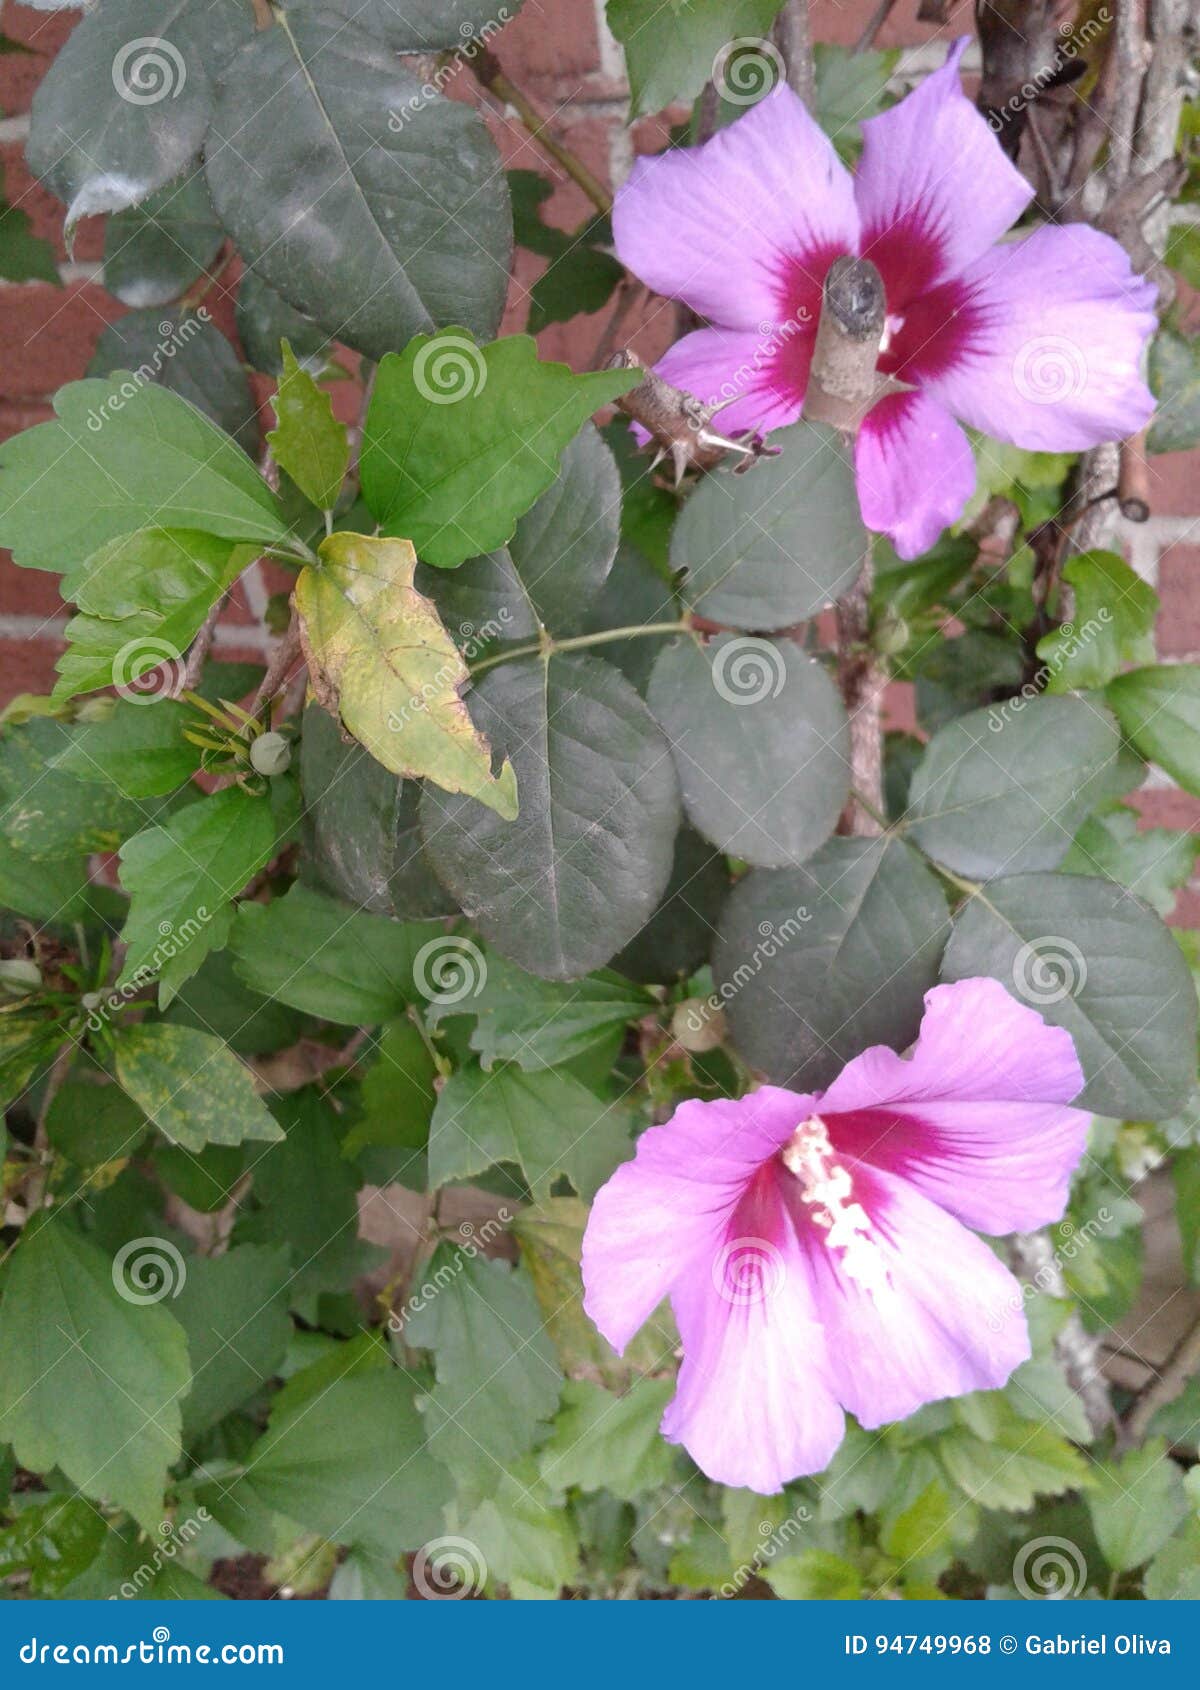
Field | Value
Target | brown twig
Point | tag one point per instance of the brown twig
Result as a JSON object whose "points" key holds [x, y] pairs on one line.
{"points": [[874, 24], [629, 291], [279, 668], [487, 69], [793, 37], [199, 649], [1180, 1365]]}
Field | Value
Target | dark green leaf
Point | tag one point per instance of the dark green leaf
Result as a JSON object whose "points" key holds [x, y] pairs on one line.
{"points": [[544, 1120], [233, 1309], [90, 1382], [999, 791], [760, 742], [772, 548], [497, 1377], [92, 1124], [326, 959], [52, 1541], [418, 26], [141, 752], [562, 888], [397, 1093], [541, 1023], [1091, 958], [669, 51], [1113, 624], [816, 963], [46, 813], [563, 547], [1136, 1505], [1175, 378], [1159, 708], [264, 321], [156, 249], [126, 102], [187, 356], [679, 935], [1153, 862], [603, 1442], [416, 211]]}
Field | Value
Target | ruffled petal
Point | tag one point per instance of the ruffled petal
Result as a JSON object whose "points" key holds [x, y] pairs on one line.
{"points": [[764, 376], [976, 1118], [1050, 353], [939, 1317], [667, 1210], [753, 1406], [934, 187], [724, 226], [915, 470]]}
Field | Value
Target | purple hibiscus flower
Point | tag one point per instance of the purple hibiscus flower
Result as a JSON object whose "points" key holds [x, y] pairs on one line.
{"points": [[815, 1248], [1036, 341]]}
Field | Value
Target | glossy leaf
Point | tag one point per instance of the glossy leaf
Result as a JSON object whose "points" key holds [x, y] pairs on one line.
{"points": [[156, 249]]}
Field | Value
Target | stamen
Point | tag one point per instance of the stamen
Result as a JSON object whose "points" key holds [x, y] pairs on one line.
{"points": [[826, 1189]]}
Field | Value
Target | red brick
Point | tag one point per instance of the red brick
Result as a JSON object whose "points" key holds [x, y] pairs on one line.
{"points": [[50, 334], [1168, 807], [27, 666], [1174, 483], [1178, 628], [552, 38], [28, 592], [45, 213]]}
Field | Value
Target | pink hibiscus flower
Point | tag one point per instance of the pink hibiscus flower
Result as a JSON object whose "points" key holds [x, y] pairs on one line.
{"points": [[1036, 341], [815, 1248]]}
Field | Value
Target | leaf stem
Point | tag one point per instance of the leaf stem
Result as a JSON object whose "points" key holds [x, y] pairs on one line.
{"points": [[580, 642], [487, 69]]}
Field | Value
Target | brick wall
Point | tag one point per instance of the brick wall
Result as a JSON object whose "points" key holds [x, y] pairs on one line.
{"points": [[562, 54]]}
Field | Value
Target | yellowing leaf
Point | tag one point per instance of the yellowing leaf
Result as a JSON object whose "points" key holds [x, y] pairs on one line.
{"points": [[380, 659]]}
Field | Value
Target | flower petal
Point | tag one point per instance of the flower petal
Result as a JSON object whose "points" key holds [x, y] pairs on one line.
{"points": [[753, 1405], [667, 1210], [764, 376], [722, 226], [976, 1117], [949, 1319], [1055, 326], [934, 187], [915, 470]]}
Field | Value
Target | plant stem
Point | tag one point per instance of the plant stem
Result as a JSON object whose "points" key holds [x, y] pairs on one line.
{"points": [[487, 69], [580, 642], [1183, 1361], [793, 36]]}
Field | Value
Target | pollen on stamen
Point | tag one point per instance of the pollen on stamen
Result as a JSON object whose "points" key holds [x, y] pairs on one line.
{"points": [[827, 1189]]}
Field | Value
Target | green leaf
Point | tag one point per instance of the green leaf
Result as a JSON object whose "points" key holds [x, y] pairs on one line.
{"points": [[89, 1382], [412, 208], [815, 1575], [1154, 862], [954, 676], [361, 840], [605, 1442], [204, 1179], [1088, 956], [47, 814], [53, 1542], [233, 1309], [551, 1240], [543, 1023], [181, 876], [669, 50], [308, 442], [381, 660], [92, 1124], [562, 888], [760, 742], [125, 103], [1113, 624], [1136, 1505], [678, 936], [814, 964], [1159, 709], [265, 321], [188, 356], [1175, 378], [156, 249], [190, 1085], [1019, 1461], [24, 256], [305, 1195], [317, 955], [497, 1377], [133, 456], [921, 1529], [352, 1465], [53, 890], [564, 545], [522, 1537], [545, 1121], [996, 793], [767, 550], [1183, 252], [1185, 1175], [216, 1001], [851, 86], [461, 439], [1174, 1573], [398, 1093], [141, 752], [143, 598], [581, 280], [422, 25]]}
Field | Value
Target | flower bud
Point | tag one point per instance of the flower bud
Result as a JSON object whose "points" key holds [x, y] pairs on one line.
{"points": [[698, 1025], [270, 754], [19, 977]]}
